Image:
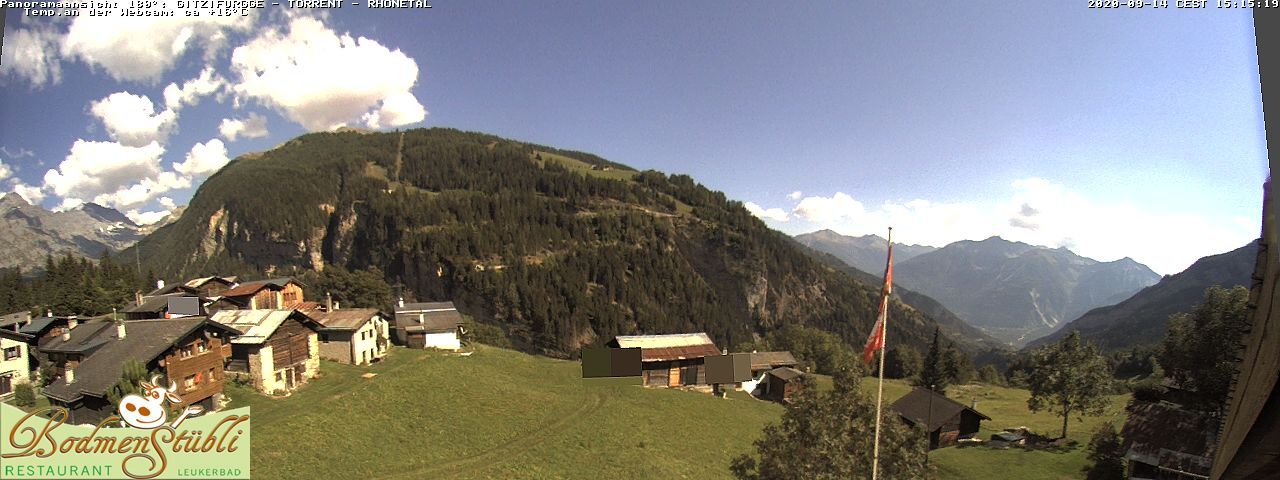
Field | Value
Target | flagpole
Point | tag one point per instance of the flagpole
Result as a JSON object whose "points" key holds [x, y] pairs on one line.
{"points": [[884, 347]]}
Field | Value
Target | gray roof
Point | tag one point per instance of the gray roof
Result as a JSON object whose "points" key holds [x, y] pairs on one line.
{"points": [[917, 407], [38, 325], [344, 319], [153, 304], [786, 373], [428, 317], [85, 337], [763, 360], [8, 321], [144, 341]]}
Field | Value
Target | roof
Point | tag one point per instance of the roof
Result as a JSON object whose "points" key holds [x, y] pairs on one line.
{"points": [[343, 319], [1166, 435], [38, 326], [144, 341], [8, 321], [153, 304], [425, 307], [85, 337], [664, 348], [915, 407], [255, 326], [250, 288], [765, 360], [786, 373]]}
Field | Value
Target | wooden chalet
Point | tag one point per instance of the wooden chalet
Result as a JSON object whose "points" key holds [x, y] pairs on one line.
{"points": [[670, 360], [15, 363], [781, 383], [278, 349], [272, 294], [357, 336], [428, 325], [946, 420], [90, 359], [1166, 442], [198, 287]]}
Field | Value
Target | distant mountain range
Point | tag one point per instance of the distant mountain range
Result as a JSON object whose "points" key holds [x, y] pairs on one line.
{"points": [[1142, 319], [1013, 291], [28, 232], [866, 253]]}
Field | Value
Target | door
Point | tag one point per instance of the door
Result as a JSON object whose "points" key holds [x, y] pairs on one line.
{"points": [[673, 377], [288, 378]]}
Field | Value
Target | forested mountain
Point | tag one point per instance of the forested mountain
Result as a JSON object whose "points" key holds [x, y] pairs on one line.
{"points": [[865, 253], [29, 233], [1142, 319], [561, 248], [1017, 292]]}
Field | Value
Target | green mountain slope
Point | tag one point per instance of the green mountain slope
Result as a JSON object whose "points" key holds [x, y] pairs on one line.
{"points": [[1143, 318], [561, 248]]}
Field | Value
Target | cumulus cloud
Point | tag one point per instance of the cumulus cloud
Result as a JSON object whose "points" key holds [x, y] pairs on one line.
{"points": [[146, 218], [775, 214], [204, 158], [208, 83], [796, 195], [1039, 212], [32, 54], [167, 203], [323, 80], [141, 49], [33, 195], [254, 126], [112, 174], [132, 119], [829, 209]]}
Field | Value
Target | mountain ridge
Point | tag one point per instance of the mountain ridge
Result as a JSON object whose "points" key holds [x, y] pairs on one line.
{"points": [[29, 233]]}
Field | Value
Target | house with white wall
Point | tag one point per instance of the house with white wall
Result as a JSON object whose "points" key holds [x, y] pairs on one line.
{"points": [[428, 325]]}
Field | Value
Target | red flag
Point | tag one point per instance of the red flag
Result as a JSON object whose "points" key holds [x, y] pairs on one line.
{"points": [[875, 341]]}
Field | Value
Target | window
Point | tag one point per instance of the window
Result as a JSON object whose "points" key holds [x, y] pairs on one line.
{"points": [[201, 347], [12, 353], [190, 381], [279, 376]]}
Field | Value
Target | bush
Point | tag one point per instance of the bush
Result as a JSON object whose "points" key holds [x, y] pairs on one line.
{"points": [[487, 334], [24, 395]]}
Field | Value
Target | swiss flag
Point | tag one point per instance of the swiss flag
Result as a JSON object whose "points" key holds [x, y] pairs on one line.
{"points": [[875, 341]]}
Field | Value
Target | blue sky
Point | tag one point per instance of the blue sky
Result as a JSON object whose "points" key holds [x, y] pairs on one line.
{"points": [[1115, 133]]}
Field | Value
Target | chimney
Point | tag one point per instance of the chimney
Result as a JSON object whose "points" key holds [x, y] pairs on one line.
{"points": [[328, 302], [974, 405], [70, 376], [137, 297], [72, 322], [159, 284], [66, 335], [48, 313], [401, 302], [337, 305], [119, 330]]}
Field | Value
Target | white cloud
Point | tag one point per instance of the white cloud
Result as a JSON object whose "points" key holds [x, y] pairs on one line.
{"points": [[167, 203], [795, 195], [775, 214], [255, 126], [208, 83], [33, 195], [141, 49], [204, 158], [5, 171], [323, 80], [16, 153], [32, 54], [132, 119], [108, 173], [146, 218], [829, 209], [1039, 212]]}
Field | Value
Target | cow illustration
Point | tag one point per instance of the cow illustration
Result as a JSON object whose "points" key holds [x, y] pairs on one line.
{"points": [[148, 410]]}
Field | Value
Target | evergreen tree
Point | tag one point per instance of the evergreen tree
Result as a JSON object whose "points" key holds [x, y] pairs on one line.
{"points": [[1107, 453], [902, 362], [936, 373]]}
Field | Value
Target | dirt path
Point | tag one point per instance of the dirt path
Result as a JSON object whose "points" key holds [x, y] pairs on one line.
{"points": [[510, 448]]}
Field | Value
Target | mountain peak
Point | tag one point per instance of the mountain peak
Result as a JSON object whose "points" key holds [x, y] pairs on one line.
{"points": [[12, 199], [106, 214]]}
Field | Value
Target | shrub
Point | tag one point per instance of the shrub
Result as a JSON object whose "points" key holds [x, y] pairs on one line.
{"points": [[24, 395]]}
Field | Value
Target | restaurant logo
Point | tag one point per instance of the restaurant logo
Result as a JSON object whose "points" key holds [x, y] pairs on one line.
{"points": [[138, 443]]}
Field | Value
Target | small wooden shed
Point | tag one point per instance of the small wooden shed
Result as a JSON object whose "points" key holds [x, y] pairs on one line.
{"points": [[782, 383], [946, 420]]}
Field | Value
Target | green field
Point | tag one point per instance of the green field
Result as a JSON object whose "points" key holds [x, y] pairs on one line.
{"points": [[495, 414]]}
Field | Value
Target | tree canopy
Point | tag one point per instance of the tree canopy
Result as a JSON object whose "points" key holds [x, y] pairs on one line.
{"points": [[1200, 349], [1068, 377]]}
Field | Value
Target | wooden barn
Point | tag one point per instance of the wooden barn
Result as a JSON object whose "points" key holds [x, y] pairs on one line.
{"points": [[189, 352], [278, 349], [781, 383], [946, 420], [276, 293], [1163, 440], [357, 336], [670, 360]]}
